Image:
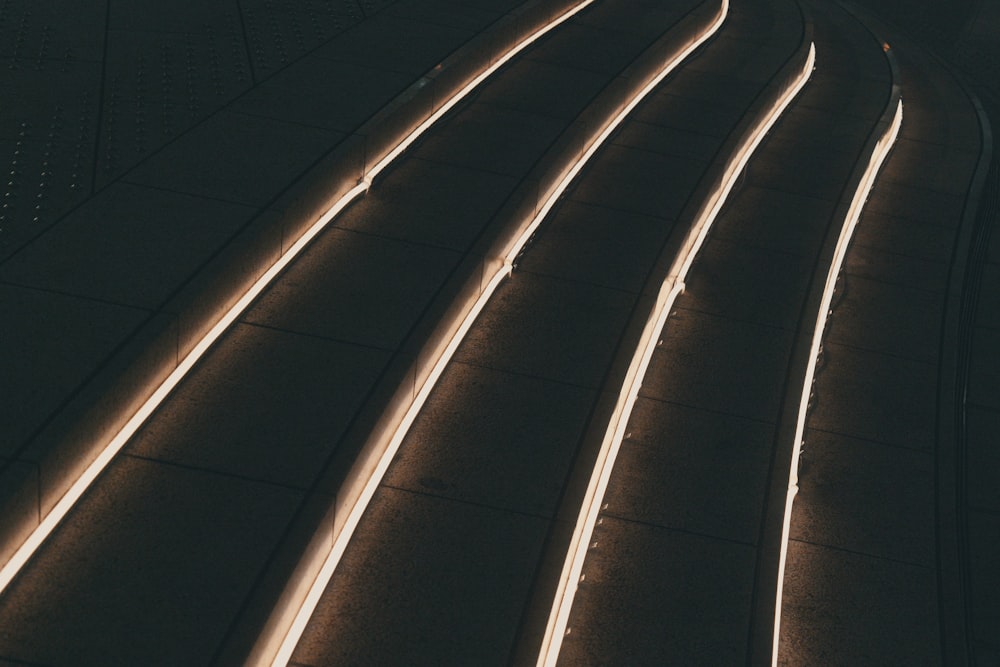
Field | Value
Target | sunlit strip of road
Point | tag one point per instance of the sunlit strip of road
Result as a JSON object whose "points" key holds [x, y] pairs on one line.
{"points": [[672, 286], [879, 154], [52, 519], [315, 592]]}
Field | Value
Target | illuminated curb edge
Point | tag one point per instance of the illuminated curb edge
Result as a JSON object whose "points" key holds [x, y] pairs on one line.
{"points": [[879, 154], [45, 527], [671, 287], [315, 592]]}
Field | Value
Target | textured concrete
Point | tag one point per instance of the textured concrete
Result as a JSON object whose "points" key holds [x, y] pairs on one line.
{"points": [[163, 161]]}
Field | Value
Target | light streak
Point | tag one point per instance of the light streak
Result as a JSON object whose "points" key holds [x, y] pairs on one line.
{"points": [[325, 573], [55, 515], [881, 151], [672, 286]]}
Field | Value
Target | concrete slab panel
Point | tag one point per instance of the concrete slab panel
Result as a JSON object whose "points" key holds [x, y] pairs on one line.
{"points": [[495, 439], [688, 114], [30, 26], [858, 52], [395, 43], [699, 348], [850, 95], [934, 117], [638, 181], [655, 596], [19, 493], [983, 458], [984, 369], [606, 247], [543, 88], [898, 269], [878, 396], [655, 17], [158, 84], [820, 174], [129, 244], [472, 16], [892, 319], [841, 608], [698, 148], [867, 498], [323, 93], [920, 164], [916, 204], [750, 214], [236, 158], [610, 50], [43, 180], [749, 283], [749, 59], [902, 236], [491, 138], [278, 33], [721, 88], [692, 470], [151, 570], [356, 288], [264, 405], [53, 343], [532, 326], [439, 579], [51, 89], [434, 204], [816, 129]]}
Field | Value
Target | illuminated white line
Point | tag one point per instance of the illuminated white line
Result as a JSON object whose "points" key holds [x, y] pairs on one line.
{"points": [[77, 489], [302, 616], [882, 148], [611, 444]]}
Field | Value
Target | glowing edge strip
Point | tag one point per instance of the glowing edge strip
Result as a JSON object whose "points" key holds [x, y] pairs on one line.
{"points": [[671, 287], [340, 544], [882, 148], [79, 487]]}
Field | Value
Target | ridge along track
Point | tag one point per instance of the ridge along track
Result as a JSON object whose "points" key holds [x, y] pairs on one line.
{"points": [[257, 496], [471, 477], [684, 526]]}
